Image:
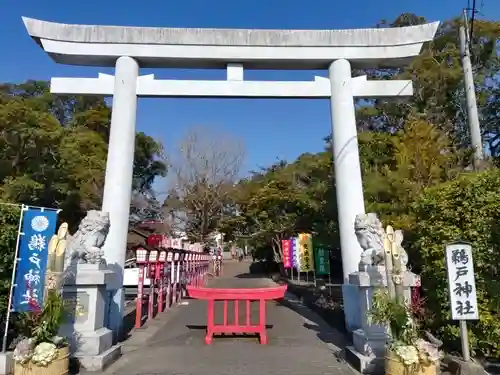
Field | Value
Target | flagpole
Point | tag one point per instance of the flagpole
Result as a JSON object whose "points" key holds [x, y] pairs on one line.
{"points": [[30, 206], [13, 279]]}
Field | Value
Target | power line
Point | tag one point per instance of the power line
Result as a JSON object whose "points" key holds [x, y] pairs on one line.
{"points": [[473, 17], [469, 19]]}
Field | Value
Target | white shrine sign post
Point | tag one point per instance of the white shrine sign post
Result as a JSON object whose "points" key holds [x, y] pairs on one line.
{"points": [[462, 289], [129, 48]]}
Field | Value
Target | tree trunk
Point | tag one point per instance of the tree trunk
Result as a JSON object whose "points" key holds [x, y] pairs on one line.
{"points": [[277, 250], [276, 243]]}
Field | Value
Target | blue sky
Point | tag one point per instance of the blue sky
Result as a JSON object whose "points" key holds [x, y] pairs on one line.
{"points": [[270, 129]]}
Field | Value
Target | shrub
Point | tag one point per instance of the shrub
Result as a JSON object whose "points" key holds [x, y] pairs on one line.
{"points": [[467, 209], [9, 222]]}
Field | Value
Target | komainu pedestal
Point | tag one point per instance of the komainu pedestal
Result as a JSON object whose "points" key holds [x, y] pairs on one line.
{"points": [[86, 297], [368, 350]]}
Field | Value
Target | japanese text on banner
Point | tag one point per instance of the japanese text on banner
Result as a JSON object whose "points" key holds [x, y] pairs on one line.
{"points": [[286, 247], [306, 253], [294, 241], [37, 228], [461, 282], [322, 260]]}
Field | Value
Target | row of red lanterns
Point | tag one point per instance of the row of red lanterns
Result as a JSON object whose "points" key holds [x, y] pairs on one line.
{"points": [[162, 265], [148, 256]]}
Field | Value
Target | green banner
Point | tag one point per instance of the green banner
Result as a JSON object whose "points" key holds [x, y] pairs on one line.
{"points": [[322, 260]]}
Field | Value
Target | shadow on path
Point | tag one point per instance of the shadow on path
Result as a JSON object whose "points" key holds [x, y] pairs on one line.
{"points": [[319, 309], [204, 327], [251, 276], [326, 302], [312, 321]]}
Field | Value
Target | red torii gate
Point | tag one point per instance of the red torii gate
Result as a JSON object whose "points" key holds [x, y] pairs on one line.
{"points": [[248, 295]]}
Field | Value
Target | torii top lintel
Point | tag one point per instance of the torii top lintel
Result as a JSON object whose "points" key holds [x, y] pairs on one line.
{"points": [[215, 48]]}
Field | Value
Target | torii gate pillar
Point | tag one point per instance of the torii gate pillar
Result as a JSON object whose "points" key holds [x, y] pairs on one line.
{"points": [[118, 178], [348, 181]]}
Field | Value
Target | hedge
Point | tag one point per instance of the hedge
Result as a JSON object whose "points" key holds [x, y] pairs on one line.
{"points": [[468, 209], [9, 222]]}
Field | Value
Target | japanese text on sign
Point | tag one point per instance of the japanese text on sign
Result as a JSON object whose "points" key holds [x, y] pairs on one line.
{"points": [[306, 252], [295, 252], [461, 282], [37, 227], [286, 247], [322, 259]]}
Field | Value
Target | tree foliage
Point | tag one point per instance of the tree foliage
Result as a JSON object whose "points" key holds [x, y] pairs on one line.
{"points": [[275, 192], [466, 209], [204, 169], [9, 221], [53, 153], [53, 150]]}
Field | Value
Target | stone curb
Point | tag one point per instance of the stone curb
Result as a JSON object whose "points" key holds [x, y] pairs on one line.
{"points": [[457, 366]]}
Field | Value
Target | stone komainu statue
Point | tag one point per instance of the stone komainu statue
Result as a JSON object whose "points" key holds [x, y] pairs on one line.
{"points": [[85, 246], [371, 234]]}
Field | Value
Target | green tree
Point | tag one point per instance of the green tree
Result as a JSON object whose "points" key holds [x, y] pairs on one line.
{"points": [[282, 200], [149, 162], [205, 168], [467, 209], [53, 150], [397, 167], [9, 221], [438, 83]]}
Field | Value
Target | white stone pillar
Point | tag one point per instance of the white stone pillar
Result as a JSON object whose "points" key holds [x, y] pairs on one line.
{"points": [[349, 186], [118, 183]]}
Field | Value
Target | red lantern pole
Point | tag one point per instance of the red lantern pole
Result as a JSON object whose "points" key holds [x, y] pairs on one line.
{"points": [[160, 273], [141, 260], [187, 262], [199, 269], [206, 267], [187, 259], [196, 271], [152, 260], [193, 269], [175, 274], [182, 275], [169, 277]]}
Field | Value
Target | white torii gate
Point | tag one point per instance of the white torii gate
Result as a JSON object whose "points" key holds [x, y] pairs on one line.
{"points": [[129, 48]]}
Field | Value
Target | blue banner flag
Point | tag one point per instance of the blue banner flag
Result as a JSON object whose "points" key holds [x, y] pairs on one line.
{"points": [[296, 253], [37, 229]]}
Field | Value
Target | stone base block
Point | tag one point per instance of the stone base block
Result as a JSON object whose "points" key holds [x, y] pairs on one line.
{"points": [[6, 363], [94, 363], [93, 343], [352, 309], [368, 346], [457, 366], [363, 363]]}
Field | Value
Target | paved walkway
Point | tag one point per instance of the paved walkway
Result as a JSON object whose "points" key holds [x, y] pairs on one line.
{"points": [[299, 342]]}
